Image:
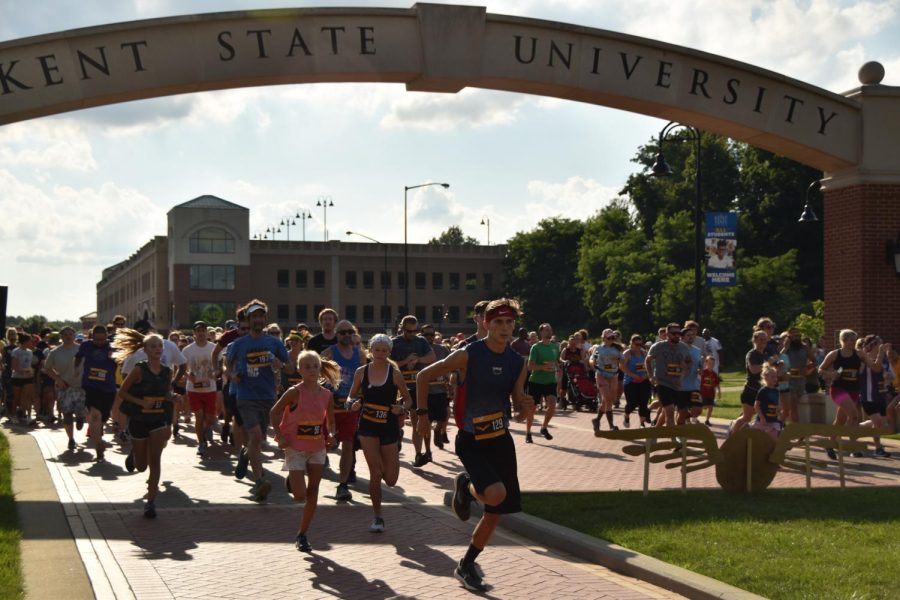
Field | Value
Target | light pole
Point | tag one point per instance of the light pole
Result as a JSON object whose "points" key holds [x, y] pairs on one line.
{"points": [[406, 189], [325, 202], [661, 169], [287, 222], [384, 316], [487, 221], [808, 215], [304, 214], [273, 230]]}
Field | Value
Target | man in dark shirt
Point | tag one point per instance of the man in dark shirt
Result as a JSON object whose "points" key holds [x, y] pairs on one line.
{"points": [[478, 317], [412, 352], [327, 338]]}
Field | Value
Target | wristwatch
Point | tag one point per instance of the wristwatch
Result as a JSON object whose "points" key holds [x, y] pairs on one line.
{"points": [[421, 411]]}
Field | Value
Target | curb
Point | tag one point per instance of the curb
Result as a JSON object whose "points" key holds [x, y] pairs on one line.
{"points": [[617, 559], [47, 538]]}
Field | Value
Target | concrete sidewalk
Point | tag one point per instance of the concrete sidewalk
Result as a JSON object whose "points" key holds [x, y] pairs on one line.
{"points": [[211, 540]]}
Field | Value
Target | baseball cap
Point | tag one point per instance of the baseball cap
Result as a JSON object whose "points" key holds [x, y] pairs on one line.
{"points": [[255, 307], [199, 325]]}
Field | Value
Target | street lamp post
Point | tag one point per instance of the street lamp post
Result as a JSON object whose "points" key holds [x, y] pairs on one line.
{"points": [[288, 223], [304, 214], [384, 316], [406, 189], [661, 169], [487, 221], [326, 203]]}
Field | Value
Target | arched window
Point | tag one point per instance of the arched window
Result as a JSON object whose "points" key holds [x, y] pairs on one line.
{"points": [[212, 240]]}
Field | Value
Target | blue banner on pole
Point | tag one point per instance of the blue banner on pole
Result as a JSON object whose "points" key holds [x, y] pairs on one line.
{"points": [[721, 243]]}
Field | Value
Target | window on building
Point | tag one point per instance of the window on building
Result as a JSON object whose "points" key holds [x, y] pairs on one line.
{"points": [[368, 313], [454, 281], [489, 281], [211, 277], [453, 314], [350, 279], [350, 313], [368, 279], [145, 282], [319, 279], [317, 308], [385, 280], [471, 281], [421, 314], [420, 281], [437, 281], [300, 313], [211, 240], [401, 280], [284, 313], [385, 314], [283, 278], [300, 278], [437, 315]]}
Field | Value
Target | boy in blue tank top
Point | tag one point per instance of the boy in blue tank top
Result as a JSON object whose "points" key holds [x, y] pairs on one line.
{"points": [[489, 373]]}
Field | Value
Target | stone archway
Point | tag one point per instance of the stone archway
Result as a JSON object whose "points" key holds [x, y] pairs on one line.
{"points": [[445, 48]]}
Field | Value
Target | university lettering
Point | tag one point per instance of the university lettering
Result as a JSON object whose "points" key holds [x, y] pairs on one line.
{"points": [[633, 67], [265, 44]]}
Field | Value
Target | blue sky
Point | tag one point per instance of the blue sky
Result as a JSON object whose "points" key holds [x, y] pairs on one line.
{"points": [[83, 190]]}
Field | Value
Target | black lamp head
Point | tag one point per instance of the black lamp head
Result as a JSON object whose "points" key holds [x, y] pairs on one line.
{"points": [[661, 168]]}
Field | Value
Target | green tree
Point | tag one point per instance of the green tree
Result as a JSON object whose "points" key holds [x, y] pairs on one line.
{"points": [[453, 236], [540, 267], [812, 326]]}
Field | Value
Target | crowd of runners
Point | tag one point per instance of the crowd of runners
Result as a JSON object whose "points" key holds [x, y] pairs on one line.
{"points": [[311, 392]]}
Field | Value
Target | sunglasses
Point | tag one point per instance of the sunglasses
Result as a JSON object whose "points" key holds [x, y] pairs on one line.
{"points": [[345, 332]]}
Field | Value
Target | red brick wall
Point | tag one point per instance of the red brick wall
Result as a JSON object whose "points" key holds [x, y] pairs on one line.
{"points": [[862, 290]]}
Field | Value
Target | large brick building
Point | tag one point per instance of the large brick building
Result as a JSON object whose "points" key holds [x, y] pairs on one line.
{"points": [[207, 265]]}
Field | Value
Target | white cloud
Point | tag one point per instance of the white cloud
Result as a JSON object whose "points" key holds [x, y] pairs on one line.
{"points": [[447, 112], [88, 226], [46, 143], [575, 198]]}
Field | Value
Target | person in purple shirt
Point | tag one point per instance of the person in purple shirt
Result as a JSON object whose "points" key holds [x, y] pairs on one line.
{"points": [[98, 380]]}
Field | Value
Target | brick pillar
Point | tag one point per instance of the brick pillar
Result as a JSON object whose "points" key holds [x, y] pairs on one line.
{"points": [[862, 290]]}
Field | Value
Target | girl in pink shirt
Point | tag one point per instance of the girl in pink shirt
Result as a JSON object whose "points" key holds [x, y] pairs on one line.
{"points": [[301, 412]]}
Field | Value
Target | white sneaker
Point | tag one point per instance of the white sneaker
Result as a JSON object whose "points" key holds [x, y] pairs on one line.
{"points": [[377, 525]]}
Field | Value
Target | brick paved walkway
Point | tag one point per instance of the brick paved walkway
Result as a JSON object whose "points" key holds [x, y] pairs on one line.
{"points": [[211, 541]]}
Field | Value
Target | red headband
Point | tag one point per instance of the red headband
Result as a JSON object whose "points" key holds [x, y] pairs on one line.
{"points": [[500, 311]]}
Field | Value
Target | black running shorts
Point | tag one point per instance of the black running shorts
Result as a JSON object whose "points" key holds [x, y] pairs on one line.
{"points": [[490, 461]]}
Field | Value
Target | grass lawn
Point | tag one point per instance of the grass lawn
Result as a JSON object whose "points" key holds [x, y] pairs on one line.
{"points": [[10, 569], [779, 543]]}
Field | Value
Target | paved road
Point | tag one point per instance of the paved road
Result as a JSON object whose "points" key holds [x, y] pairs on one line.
{"points": [[211, 540]]}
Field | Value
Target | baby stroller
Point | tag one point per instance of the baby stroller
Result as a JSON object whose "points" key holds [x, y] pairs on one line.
{"points": [[581, 390]]}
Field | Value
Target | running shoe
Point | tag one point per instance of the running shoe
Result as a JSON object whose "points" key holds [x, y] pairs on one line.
{"points": [[32, 423], [72, 444], [377, 525], [175, 429], [882, 453], [546, 434], [438, 440], [129, 462], [528, 439], [444, 437], [100, 453], [857, 454], [708, 424], [150, 510], [226, 429], [123, 437], [79, 423], [462, 498], [469, 577], [302, 544], [262, 489], [596, 423], [240, 471], [419, 460], [831, 453], [627, 422], [343, 493], [426, 458], [201, 449]]}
